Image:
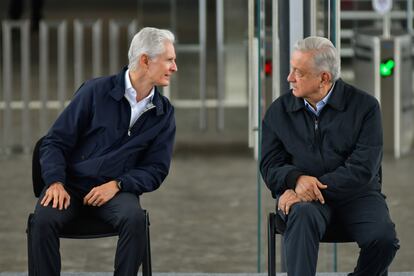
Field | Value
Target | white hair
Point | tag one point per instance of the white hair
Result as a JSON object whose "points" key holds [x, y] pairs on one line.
{"points": [[149, 41], [325, 55]]}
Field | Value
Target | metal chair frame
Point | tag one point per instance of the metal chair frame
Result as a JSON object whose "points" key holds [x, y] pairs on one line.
{"points": [[275, 225]]}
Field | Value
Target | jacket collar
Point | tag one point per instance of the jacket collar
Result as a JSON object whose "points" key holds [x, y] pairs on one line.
{"points": [[336, 100], [119, 90]]}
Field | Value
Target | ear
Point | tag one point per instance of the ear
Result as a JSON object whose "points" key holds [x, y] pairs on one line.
{"points": [[144, 61], [326, 78]]}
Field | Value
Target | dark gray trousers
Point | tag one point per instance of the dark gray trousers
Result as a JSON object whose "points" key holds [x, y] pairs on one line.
{"points": [[367, 220], [123, 212]]}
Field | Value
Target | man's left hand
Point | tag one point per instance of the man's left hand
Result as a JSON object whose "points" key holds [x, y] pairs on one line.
{"points": [[308, 188], [100, 195]]}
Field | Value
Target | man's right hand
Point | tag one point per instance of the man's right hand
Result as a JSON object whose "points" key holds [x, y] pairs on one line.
{"points": [[308, 188], [56, 194], [286, 200]]}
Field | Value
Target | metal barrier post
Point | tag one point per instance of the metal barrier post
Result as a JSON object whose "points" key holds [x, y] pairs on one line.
{"points": [[7, 27], [79, 26], [44, 75], [203, 61], [220, 63], [114, 32]]}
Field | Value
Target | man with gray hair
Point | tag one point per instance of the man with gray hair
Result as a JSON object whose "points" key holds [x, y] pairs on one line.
{"points": [[321, 158], [112, 143]]}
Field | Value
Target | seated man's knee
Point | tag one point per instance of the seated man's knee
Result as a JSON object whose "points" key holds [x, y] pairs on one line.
{"points": [[45, 220], [304, 210], [305, 214], [306, 217], [383, 237], [133, 219]]}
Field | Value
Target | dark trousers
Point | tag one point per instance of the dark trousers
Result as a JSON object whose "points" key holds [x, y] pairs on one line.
{"points": [[366, 219], [123, 212]]}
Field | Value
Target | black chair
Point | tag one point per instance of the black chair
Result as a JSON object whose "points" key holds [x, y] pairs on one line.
{"points": [[83, 227], [275, 225]]}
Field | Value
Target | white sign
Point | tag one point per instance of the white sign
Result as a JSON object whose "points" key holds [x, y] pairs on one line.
{"points": [[382, 6]]}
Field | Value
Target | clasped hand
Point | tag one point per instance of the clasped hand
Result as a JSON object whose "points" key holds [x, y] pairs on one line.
{"points": [[308, 188]]}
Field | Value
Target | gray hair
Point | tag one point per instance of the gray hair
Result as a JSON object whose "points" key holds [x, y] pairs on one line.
{"points": [[325, 57], [149, 41]]}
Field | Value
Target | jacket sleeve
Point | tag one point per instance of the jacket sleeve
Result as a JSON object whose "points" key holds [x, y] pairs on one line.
{"points": [[151, 171], [362, 166], [275, 165], [63, 135]]}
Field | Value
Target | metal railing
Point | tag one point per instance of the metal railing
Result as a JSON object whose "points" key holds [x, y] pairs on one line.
{"points": [[69, 52], [364, 15], [20, 98]]}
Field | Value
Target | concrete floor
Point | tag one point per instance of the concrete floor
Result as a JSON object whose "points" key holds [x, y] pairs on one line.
{"points": [[203, 218]]}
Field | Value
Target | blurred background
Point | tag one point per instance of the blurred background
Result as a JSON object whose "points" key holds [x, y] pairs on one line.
{"points": [[233, 60]]}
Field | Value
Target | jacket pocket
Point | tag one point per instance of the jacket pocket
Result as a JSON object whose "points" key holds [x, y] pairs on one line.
{"points": [[87, 168]]}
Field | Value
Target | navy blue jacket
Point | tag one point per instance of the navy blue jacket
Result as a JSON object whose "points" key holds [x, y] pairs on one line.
{"points": [[342, 147], [91, 142]]}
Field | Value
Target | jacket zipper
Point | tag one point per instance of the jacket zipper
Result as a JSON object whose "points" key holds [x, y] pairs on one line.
{"points": [[139, 117], [316, 133], [318, 140]]}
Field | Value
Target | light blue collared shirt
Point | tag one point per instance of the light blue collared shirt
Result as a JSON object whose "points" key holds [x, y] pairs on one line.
{"points": [[137, 108], [319, 105]]}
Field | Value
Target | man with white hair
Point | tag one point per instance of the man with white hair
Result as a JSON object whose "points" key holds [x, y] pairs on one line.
{"points": [[321, 158], [112, 143]]}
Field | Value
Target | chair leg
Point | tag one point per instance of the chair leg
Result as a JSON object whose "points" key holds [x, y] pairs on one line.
{"points": [[282, 256], [271, 245], [146, 263], [29, 247]]}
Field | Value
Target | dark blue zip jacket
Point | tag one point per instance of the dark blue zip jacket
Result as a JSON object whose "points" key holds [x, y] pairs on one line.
{"points": [[91, 142], [342, 147]]}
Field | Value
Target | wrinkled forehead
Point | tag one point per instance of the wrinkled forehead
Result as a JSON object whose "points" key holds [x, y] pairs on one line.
{"points": [[169, 49], [302, 59]]}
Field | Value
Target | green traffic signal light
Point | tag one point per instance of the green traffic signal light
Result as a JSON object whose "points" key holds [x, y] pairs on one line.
{"points": [[387, 68]]}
